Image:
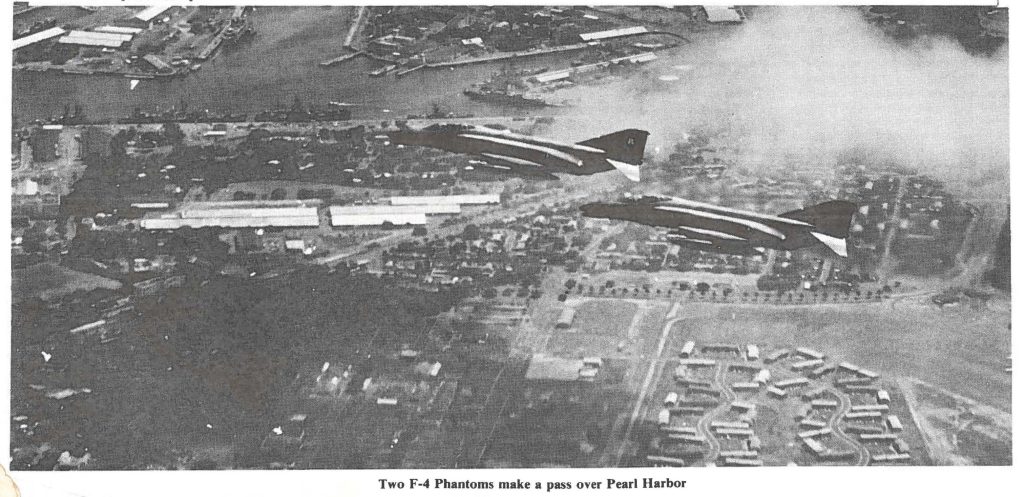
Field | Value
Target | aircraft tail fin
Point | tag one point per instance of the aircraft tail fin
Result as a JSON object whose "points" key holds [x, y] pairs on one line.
{"points": [[626, 146], [831, 221]]}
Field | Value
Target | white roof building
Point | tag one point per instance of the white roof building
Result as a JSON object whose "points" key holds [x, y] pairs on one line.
{"points": [[378, 219], [150, 13], [448, 199], [340, 210], [722, 13], [613, 33], [235, 215], [46, 34]]}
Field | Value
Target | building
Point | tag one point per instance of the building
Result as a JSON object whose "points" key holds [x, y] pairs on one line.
{"points": [[763, 376], [883, 458], [870, 407], [687, 349], [824, 404], [814, 446], [95, 39], [730, 424], [34, 38], [124, 30], [746, 386], [735, 461], [722, 14], [877, 437], [808, 364], [893, 422], [396, 219], [753, 353], [820, 432], [792, 383], [671, 399], [565, 318], [340, 210], [883, 397], [776, 355], [243, 214], [734, 432], [742, 406], [484, 199], [145, 18], [812, 423], [865, 415], [776, 392], [613, 33], [810, 353], [664, 417]]}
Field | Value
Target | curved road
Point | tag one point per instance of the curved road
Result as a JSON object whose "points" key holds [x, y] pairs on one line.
{"points": [[704, 423], [863, 456]]}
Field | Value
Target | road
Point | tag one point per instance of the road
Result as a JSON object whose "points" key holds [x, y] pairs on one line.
{"points": [[705, 421], [657, 364], [863, 456]]}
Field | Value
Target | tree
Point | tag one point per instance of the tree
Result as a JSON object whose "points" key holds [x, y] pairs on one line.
{"points": [[172, 132], [419, 231]]}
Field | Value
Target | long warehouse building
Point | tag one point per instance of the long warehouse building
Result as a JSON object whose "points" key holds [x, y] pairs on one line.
{"points": [[482, 199], [25, 41], [338, 210], [235, 215], [398, 219]]}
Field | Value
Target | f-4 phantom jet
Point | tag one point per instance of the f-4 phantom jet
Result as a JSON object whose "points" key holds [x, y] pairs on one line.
{"points": [[513, 153], [713, 228]]}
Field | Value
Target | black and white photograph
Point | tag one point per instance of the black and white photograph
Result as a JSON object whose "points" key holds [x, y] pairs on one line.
{"points": [[344, 237]]}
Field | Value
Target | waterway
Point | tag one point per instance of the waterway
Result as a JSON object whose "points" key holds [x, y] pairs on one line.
{"points": [[279, 65]]}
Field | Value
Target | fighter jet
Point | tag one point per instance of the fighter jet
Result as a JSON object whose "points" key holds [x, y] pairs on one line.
{"points": [[713, 228], [512, 153]]}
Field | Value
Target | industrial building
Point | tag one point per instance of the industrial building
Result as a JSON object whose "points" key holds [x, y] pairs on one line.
{"points": [[613, 33], [339, 210], [95, 39], [43, 35], [378, 219], [483, 199], [245, 214], [145, 18], [722, 14]]}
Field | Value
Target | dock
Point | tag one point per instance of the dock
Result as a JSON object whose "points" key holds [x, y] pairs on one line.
{"points": [[340, 59]]}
